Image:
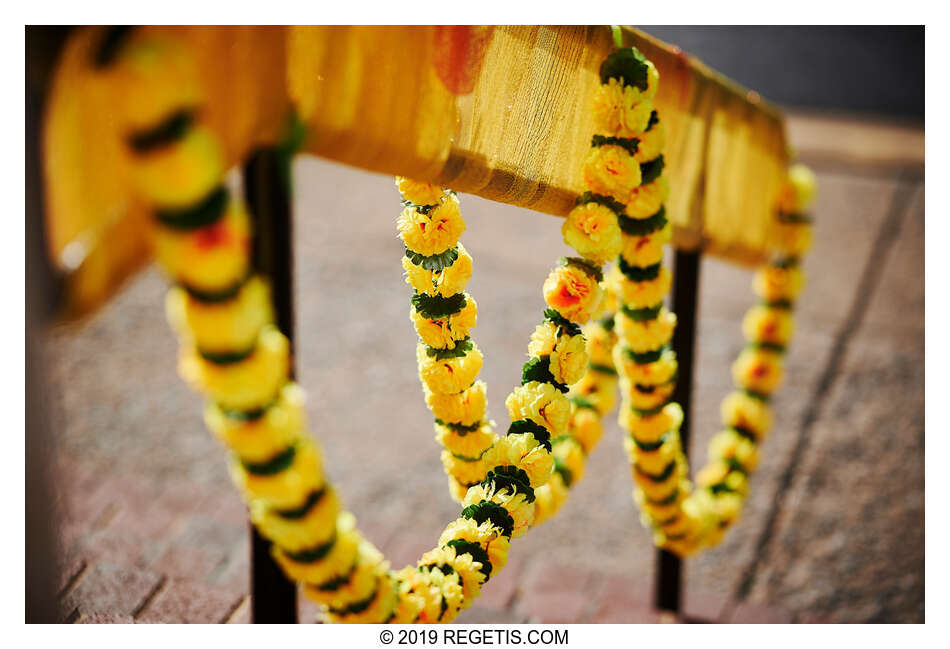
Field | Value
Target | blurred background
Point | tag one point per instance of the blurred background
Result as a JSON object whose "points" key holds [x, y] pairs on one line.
{"points": [[149, 528]]}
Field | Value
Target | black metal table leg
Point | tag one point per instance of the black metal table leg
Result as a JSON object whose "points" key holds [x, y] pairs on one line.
{"points": [[668, 580], [266, 185]]}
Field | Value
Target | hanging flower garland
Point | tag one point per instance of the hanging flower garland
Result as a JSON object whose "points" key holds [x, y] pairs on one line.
{"points": [[624, 175]]}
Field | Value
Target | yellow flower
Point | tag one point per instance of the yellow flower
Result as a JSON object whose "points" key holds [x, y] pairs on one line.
{"points": [[448, 375], [799, 191], [767, 324], [221, 326], [287, 488], [183, 173], [468, 445], [638, 295], [434, 232], [443, 333], [586, 427], [597, 388], [462, 564], [543, 339], [646, 397], [516, 504], [408, 603], [465, 408], [592, 230], [463, 471], [647, 335], [651, 428], [444, 598], [570, 454], [656, 460], [524, 452], [610, 170], [656, 373], [647, 249], [313, 528], [247, 384], [794, 239], [772, 283], [212, 258], [379, 609], [600, 344], [568, 361], [759, 370], [656, 489], [363, 582], [729, 445], [419, 192], [646, 200], [485, 534], [739, 410], [651, 143], [728, 507], [446, 282], [261, 438], [572, 292], [543, 404], [548, 498], [337, 562], [621, 110]]}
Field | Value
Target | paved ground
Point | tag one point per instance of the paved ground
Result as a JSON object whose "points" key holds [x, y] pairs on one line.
{"points": [[834, 528]]}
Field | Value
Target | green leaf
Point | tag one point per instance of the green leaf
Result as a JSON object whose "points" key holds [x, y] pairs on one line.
{"points": [[639, 273], [511, 478], [650, 446], [654, 120], [582, 403], [642, 227], [628, 66], [650, 171], [603, 369], [793, 217], [476, 551], [566, 474], [523, 426], [299, 512], [584, 265], [336, 583], [208, 210], [785, 262], [610, 203], [629, 144], [539, 369], [642, 314], [649, 412], [665, 500], [772, 347], [167, 132], [607, 322], [273, 466], [227, 358], [217, 297], [357, 607], [462, 347], [314, 554], [568, 327], [662, 476], [489, 511], [788, 305], [437, 262], [748, 433], [461, 429], [761, 396], [436, 306], [642, 358]]}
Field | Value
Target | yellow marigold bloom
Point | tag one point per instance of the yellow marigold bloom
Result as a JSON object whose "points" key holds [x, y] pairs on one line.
{"points": [[152, 78], [434, 232], [443, 597], [772, 283], [363, 582], [261, 438], [651, 428], [646, 200], [548, 499], [521, 511], [465, 408], [654, 461], [656, 373], [419, 192], [621, 110], [647, 249], [379, 610], [592, 230], [522, 451], [656, 489], [569, 453], [646, 335], [638, 295], [485, 534], [448, 375], [585, 426], [568, 361], [212, 258], [446, 282], [759, 370], [543, 339], [728, 507], [542, 403], [729, 445], [610, 170], [247, 384], [666, 510], [646, 397], [794, 239], [597, 388], [600, 344], [408, 603], [462, 564], [313, 528], [443, 333], [464, 471], [765, 324], [457, 490], [183, 173], [739, 410], [288, 488], [337, 562], [573, 293], [221, 326], [651, 143], [468, 445], [798, 193]]}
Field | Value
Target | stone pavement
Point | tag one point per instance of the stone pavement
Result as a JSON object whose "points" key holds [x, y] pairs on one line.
{"points": [[152, 530]]}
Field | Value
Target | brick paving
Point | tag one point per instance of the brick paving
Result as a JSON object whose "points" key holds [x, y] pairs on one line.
{"points": [[152, 530]]}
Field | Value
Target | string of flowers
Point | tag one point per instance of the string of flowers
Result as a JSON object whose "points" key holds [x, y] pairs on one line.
{"points": [[624, 172], [438, 268]]}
